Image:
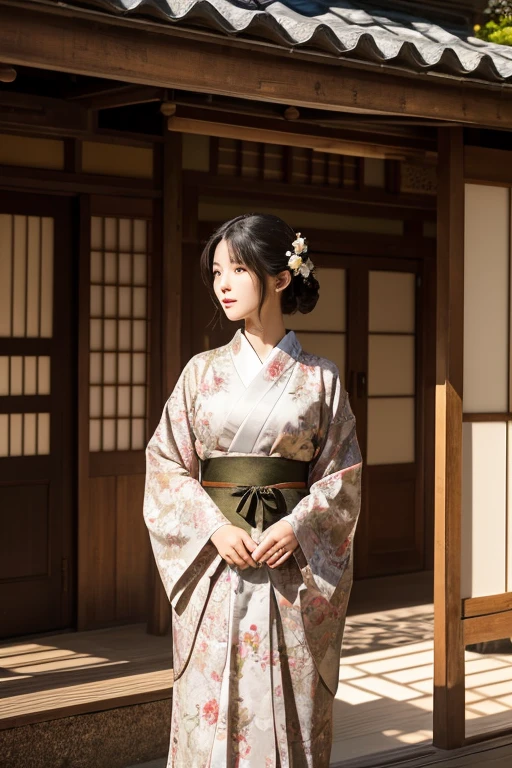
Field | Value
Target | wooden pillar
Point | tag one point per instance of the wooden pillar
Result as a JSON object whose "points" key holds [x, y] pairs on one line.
{"points": [[84, 257], [171, 356], [449, 726]]}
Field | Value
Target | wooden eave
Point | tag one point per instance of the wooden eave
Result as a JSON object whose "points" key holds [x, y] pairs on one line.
{"points": [[95, 44]]}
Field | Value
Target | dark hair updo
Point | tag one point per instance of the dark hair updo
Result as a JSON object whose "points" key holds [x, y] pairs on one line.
{"points": [[260, 241]]}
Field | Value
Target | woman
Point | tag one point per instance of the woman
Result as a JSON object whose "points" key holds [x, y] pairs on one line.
{"points": [[252, 497]]}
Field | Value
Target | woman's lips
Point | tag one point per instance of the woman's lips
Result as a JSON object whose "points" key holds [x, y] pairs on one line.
{"points": [[227, 302]]}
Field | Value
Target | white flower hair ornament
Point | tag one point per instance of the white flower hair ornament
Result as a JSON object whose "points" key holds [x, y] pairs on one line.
{"points": [[295, 259]]}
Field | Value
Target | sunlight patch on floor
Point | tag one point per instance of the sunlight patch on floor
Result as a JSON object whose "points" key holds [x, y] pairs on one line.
{"points": [[385, 700]]}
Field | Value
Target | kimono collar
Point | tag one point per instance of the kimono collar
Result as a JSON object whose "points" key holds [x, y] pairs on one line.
{"points": [[246, 360]]}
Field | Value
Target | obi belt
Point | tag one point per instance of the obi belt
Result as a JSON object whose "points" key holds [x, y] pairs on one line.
{"points": [[255, 491]]}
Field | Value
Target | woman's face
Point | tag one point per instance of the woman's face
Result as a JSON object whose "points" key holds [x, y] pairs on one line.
{"points": [[236, 288]]}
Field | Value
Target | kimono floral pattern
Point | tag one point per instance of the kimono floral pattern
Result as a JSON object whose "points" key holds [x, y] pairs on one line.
{"points": [[256, 652]]}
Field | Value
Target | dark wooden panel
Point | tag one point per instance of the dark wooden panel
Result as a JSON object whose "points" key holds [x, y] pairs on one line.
{"points": [[392, 522], [99, 551], [24, 541], [487, 166], [18, 469], [116, 551], [132, 550], [103, 205], [109, 463], [24, 403]]}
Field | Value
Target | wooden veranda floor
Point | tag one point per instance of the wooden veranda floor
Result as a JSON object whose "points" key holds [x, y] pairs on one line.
{"points": [[73, 673], [384, 701], [383, 706]]}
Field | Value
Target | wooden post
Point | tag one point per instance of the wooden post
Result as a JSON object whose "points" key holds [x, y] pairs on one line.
{"points": [[159, 610], [83, 407], [449, 726]]}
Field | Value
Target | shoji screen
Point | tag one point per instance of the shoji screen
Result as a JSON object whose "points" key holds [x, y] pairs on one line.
{"points": [[391, 368], [118, 333], [487, 435], [119, 313], [323, 332], [26, 313]]}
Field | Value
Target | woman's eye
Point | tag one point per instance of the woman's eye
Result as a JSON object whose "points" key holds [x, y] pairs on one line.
{"points": [[239, 269], [216, 273]]}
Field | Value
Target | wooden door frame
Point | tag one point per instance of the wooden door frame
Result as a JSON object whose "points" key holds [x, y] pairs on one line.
{"points": [[457, 622], [105, 464], [358, 359], [62, 386]]}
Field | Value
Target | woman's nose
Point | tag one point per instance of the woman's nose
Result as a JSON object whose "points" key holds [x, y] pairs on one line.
{"points": [[224, 283]]}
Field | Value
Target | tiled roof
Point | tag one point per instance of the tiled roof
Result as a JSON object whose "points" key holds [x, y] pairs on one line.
{"points": [[360, 31]]}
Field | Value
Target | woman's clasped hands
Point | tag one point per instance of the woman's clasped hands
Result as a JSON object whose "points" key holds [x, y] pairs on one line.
{"points": [[236, 547]]}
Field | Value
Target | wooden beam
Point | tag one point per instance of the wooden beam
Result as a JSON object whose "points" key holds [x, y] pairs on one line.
{"points": [[487, 166], [483, 606], [253, 115], [124, 96], [22, 110], [482, 629], [484, 417], [366, 201], [164, 56], [294, 139], [449, 730], [62, 182]]}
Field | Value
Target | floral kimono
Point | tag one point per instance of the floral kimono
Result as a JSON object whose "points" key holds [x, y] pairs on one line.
{"points": [[256, 651]]}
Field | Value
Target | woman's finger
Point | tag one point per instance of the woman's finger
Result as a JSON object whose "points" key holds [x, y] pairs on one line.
{"points": [[237, 559], [278, 547], [281, 560], [245, 555], [249, 544], [263, 547], [275, 557]]}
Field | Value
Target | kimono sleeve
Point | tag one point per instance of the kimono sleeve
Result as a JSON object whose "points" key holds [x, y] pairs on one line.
{"points": [[179, 514], [324, 521]]}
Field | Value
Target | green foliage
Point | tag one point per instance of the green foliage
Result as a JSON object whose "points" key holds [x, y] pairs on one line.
{"points": [[499, 28], [493, 32]]}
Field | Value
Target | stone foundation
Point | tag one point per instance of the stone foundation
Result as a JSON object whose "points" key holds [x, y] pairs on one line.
{"points": [[115, 738]]}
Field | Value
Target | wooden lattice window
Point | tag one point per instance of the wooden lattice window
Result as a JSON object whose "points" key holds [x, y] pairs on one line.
{"points": [[272, 162], [119, 320], [24, 434], [26, 317], [26, 276]]}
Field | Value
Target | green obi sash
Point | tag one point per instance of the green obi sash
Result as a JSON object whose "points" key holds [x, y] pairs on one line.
{"points": [[254, 491]]}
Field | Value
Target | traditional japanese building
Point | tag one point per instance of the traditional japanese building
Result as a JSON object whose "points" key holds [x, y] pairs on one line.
{"points": [[128, 132]]}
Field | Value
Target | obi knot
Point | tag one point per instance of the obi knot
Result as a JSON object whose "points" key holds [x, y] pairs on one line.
{"points": [[260, 504]]}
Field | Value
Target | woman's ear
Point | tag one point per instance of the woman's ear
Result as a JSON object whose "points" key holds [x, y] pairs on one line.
{"points": [[283, 280]]}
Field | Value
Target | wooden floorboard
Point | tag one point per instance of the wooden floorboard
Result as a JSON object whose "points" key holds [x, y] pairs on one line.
{"points": [[383, 706], [73, 673]]}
